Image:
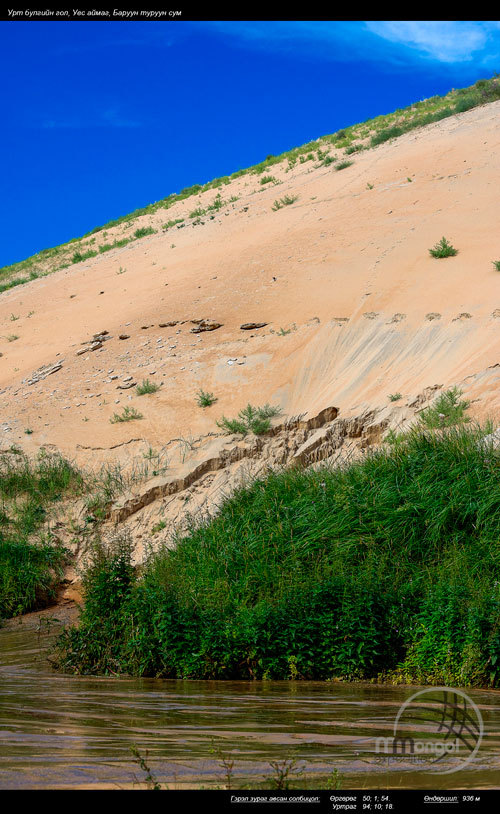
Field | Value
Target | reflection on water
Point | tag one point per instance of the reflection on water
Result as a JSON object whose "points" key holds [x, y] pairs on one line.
{"points": [[61, 731]]}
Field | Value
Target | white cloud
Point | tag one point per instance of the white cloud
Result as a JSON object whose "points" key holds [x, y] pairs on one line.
{"points": [[445, 40], [389, 42]]}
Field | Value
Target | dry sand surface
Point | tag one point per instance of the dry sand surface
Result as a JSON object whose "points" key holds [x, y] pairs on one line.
{"points": [[355, 306]]}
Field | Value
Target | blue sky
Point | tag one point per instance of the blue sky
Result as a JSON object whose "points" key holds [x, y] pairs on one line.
{"points": [[100, 118]]}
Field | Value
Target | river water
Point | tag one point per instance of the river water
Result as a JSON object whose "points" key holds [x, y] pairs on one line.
{"points": [[59, 731]]}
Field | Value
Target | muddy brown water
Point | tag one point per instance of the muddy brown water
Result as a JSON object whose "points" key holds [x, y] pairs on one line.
{"points": [[60, 731]]}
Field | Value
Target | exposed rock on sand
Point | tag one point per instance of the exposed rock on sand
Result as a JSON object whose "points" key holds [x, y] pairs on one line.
{"points": [[205, 325], [43, 372]]}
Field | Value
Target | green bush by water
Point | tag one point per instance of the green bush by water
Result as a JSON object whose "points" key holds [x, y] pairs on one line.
{"points": [[386, 567], [30, 563]]}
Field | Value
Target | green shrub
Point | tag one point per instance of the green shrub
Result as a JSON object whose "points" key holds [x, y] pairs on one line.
{"points": [[343, 165], [78, 257], [267, 179], [146, 387], [385, 135], [107, 584], [467, 102], [204, 399], [443, 249], [286, 201], [31, 562], [250, 419], [117, 244], [128, 414], [395, 396], [171, 223], [146, 230], [496, 263], [217, 204], [448, 409]]}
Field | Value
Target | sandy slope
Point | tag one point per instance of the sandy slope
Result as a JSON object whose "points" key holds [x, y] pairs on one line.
{"points": [[341, 251]]}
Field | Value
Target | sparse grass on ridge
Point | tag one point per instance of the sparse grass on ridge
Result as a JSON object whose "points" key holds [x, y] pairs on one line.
{"points": [[353, 138]]}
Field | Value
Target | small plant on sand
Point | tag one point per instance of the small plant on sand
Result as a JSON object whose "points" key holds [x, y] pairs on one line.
{"points": [[169, 224], [13, 318], [286, 201], [395, 396], [267, 179], [353, 148], [369, 186], [250, 419], [443, 249], [28, 431], [78, 256], [159, 527], [496, 263], [343, 165], [146, 387], [204, 399], [446, 411], [12, 337], [128, 414], [232, 425], [146, 230]]}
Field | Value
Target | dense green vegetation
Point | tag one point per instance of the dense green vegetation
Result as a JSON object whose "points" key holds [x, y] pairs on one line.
{"points": [[387, 567], [350, 139], [30, 561]]}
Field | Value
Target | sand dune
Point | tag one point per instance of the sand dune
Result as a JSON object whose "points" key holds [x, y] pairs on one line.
{"points": [[355, 306]]}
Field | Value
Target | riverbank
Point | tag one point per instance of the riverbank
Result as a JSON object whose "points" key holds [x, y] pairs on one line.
{"points": [[383, 569], [77, 732]]}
